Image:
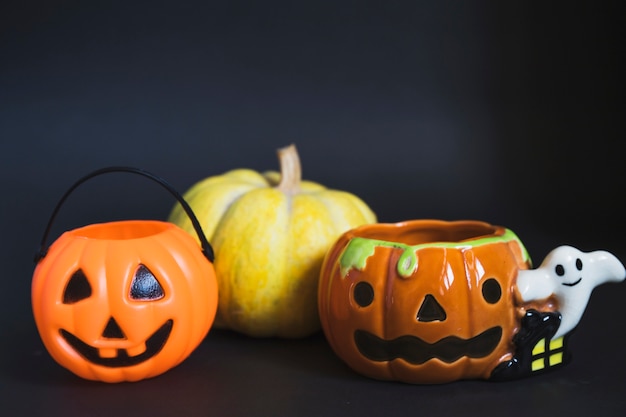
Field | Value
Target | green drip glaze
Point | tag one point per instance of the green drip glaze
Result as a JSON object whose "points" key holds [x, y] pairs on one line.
{"points": [[359, 249], [407, 263]]}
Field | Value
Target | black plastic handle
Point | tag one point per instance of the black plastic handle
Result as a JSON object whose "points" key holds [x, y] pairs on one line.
{"points": [[206, 246]]}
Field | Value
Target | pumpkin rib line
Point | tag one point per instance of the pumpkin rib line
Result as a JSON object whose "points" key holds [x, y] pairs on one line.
{"points": [[202, 206], [67, 243], [339, 222], [288, 245], [328, 208], [225, 208], [392, 272], [52, 264], [470, 277], [195, 336], [190, 324], [358, 203], [190, 316]]}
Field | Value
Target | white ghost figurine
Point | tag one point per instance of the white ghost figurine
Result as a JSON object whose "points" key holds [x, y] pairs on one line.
{"points": [[570, 275]]}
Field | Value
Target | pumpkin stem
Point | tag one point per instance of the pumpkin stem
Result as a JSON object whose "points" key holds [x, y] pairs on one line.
{"points": [[290, 170]]}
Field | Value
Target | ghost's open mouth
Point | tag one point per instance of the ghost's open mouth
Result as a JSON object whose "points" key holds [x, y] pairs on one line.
{"points": [[571, 284], [122, 357]]}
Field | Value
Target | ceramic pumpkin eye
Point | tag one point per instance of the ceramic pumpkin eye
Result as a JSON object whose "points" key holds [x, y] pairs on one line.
{"points": [[363, 294], [422, 301], [492, 291], [92, 287]]}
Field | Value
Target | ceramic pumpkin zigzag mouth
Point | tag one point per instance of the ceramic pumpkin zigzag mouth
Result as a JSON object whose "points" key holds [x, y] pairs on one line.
{"points": [[416, 351], [154, 344]]}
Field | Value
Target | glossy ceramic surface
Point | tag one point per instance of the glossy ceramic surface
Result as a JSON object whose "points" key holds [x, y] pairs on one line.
{"points": [[429, 301]]}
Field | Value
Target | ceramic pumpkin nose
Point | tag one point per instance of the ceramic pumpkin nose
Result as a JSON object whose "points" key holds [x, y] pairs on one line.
{"points": [[125, 300]]}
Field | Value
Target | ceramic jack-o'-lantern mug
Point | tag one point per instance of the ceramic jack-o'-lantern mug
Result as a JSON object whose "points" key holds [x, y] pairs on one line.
{"points": [[431, 301], [124, 300]]}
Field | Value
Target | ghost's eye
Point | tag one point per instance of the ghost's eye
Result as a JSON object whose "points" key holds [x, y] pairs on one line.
{"points": [[560, 271], [145, 286], [579, 264]]}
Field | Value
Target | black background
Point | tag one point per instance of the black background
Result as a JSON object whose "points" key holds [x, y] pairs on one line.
{"points": [[507, 112]]}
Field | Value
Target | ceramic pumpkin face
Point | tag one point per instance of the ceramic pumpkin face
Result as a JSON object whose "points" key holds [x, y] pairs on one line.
{"points": [[123, 301], [422, 301]]}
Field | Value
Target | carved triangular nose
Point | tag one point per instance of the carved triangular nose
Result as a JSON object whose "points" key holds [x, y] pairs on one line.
{"points": [[431, 310], [113, 330]]}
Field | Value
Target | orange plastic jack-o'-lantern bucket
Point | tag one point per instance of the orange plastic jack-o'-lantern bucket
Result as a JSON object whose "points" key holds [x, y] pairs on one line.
{"points": [[124, 300], [422, 301]]}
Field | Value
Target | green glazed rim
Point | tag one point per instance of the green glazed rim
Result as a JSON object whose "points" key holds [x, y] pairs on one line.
{"points": [[359, 249]]}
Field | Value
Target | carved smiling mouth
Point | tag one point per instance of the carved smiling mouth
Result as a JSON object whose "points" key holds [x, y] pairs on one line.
{"points": [[571, 284], [416, 351], [154, 344]]}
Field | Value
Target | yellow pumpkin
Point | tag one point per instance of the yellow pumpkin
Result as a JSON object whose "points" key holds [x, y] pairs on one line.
{"points": [[270, 233]]}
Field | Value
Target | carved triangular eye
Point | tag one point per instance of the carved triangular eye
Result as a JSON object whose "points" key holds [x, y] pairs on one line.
{"points": [[77, 288], [145, 286]]}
